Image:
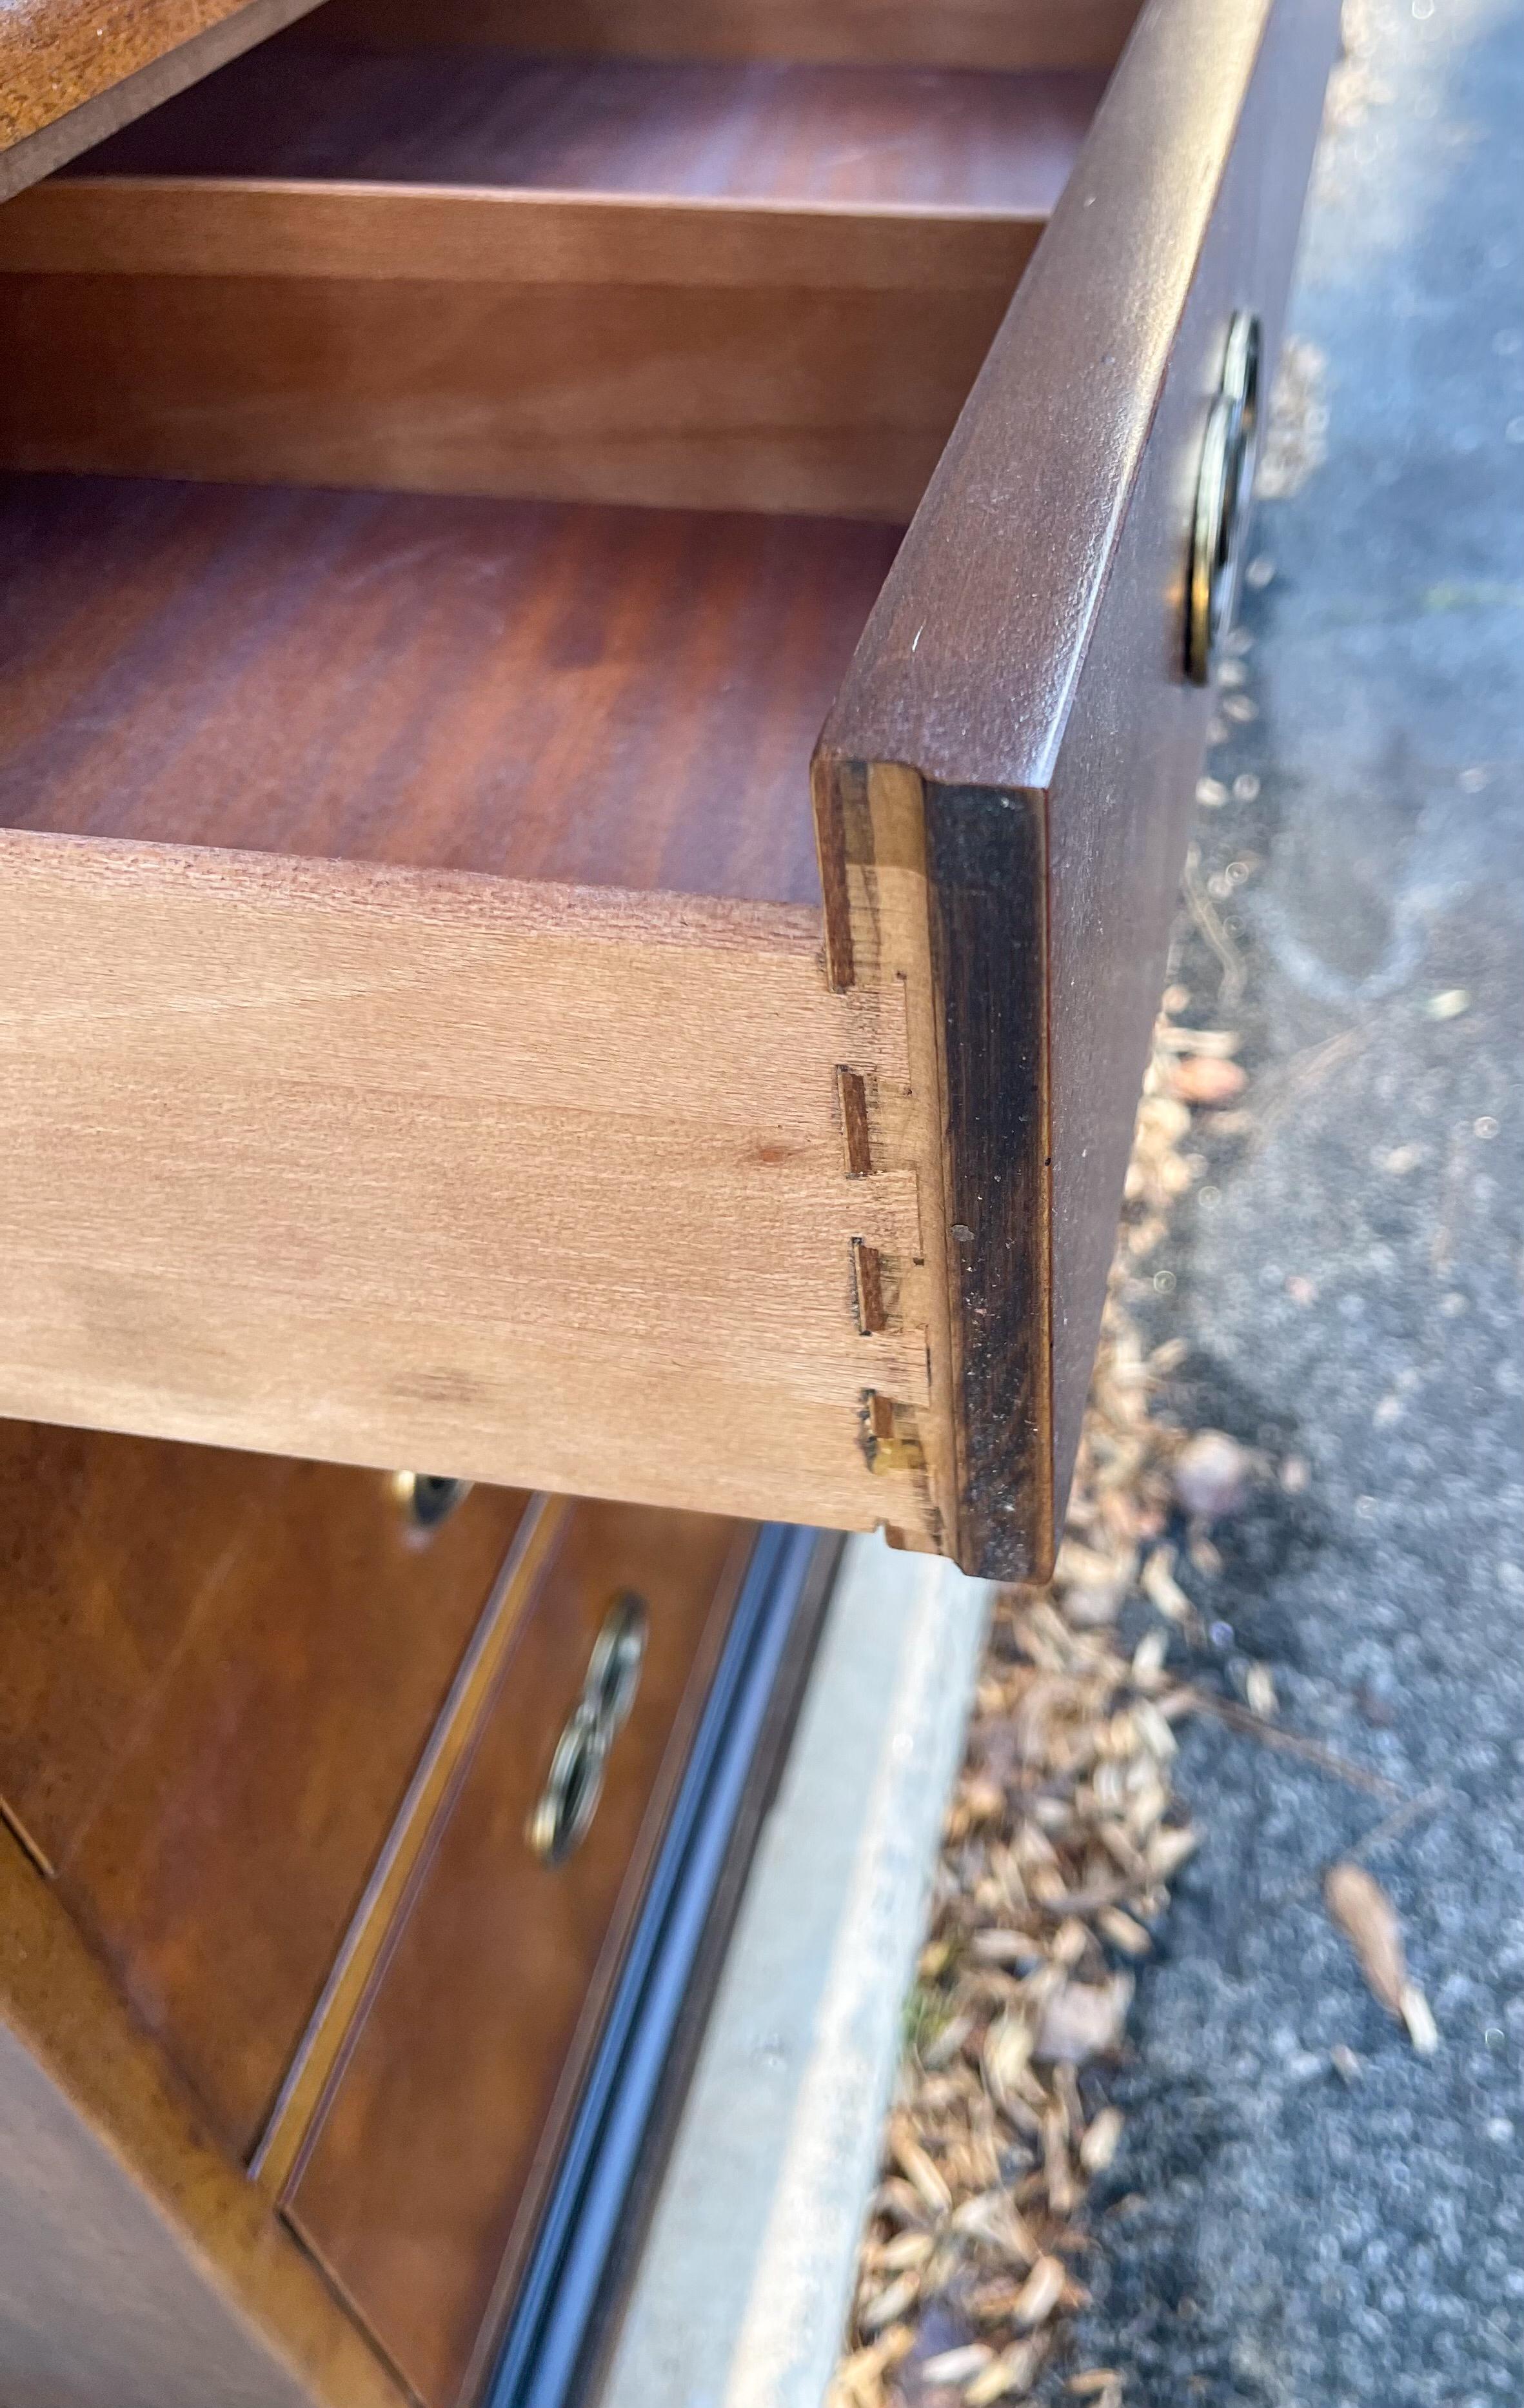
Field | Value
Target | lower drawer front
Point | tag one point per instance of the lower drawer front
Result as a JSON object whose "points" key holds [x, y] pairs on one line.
{"points": [[217, 1671], [422, 2177]]}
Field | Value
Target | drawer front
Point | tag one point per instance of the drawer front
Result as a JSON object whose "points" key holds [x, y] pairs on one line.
{"points": [[1011, 760], [217, 1671], [424, 2168]]}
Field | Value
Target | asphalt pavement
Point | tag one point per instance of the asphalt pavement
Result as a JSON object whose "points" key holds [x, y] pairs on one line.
{"points": [[1306, 2213]]}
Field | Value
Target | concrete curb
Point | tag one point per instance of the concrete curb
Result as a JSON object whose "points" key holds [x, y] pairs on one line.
{"points": [[742, 2291]]}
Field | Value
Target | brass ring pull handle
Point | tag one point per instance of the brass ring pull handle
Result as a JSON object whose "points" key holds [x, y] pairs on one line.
{"points": [[568, 1801], [1223, 490], [427, 1497]]}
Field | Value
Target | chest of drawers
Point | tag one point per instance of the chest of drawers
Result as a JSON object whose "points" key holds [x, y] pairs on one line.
{"points": [[467, 458], [605, 622], [332, 1805]]}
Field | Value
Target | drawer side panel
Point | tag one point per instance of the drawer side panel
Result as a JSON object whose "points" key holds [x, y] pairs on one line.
{"points": [[536, 1185]]}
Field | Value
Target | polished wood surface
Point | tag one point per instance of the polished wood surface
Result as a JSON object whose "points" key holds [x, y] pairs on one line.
{"points": [[73, 71], [427, 2163], [217, 1674], [1026, 657], [690, 354], [1000, 34], [546, 1184], [686, 129], [139, 2268], [329, 268], [400, 277], [371, 1930], [617, 698]]}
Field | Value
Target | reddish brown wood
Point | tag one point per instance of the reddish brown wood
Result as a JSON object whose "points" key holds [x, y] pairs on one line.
{"points": [[217, 1671], [759, 287], [997, 34], [685, 129], [617, 697], [1026, 657], [430, 2155], [139, 2264], [675, 355]]}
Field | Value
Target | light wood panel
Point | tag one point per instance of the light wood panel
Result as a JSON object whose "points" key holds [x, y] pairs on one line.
{"points": [[541, 1185], [677, 284], [72, 72], [386, 296], [952, 33], [138, 2264]]}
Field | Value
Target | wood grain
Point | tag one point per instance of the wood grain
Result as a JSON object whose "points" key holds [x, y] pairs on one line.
{"points": [[874, 858], [1000, 34], [71, 72], [447, 272], [621, 697], [1026, 648], [693, 355], [425, 2171], [251, 1791], [538, 1184], [138, 2264], [684, 129], [218, 1673], [371, 1931]]}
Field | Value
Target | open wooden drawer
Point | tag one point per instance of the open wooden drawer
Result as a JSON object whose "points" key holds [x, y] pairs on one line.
{"points": [[466, 452]]}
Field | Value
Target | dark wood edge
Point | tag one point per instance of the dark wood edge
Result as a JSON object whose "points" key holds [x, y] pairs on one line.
{"points": [[986, 898], [37, 154]]}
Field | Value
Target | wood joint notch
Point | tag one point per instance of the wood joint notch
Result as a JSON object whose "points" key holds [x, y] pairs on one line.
{"points": [[852, 1098], [868, 1287], [891, 1435]]}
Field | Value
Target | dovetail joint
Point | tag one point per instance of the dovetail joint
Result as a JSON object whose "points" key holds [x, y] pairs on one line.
{"points": [[891, 1435], [868, 1281], [852, 1095]]}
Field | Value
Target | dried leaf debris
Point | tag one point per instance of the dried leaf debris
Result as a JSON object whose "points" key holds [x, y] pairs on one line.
{"points": [[1368, 1919], [1059, 1847]]}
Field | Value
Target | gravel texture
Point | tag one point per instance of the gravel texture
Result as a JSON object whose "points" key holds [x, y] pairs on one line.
{"points": [[1347, 1272]]}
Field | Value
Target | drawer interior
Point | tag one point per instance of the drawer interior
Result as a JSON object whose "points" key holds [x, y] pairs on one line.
{"points": [[536, 690], [776, 130], [450, 456]]}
